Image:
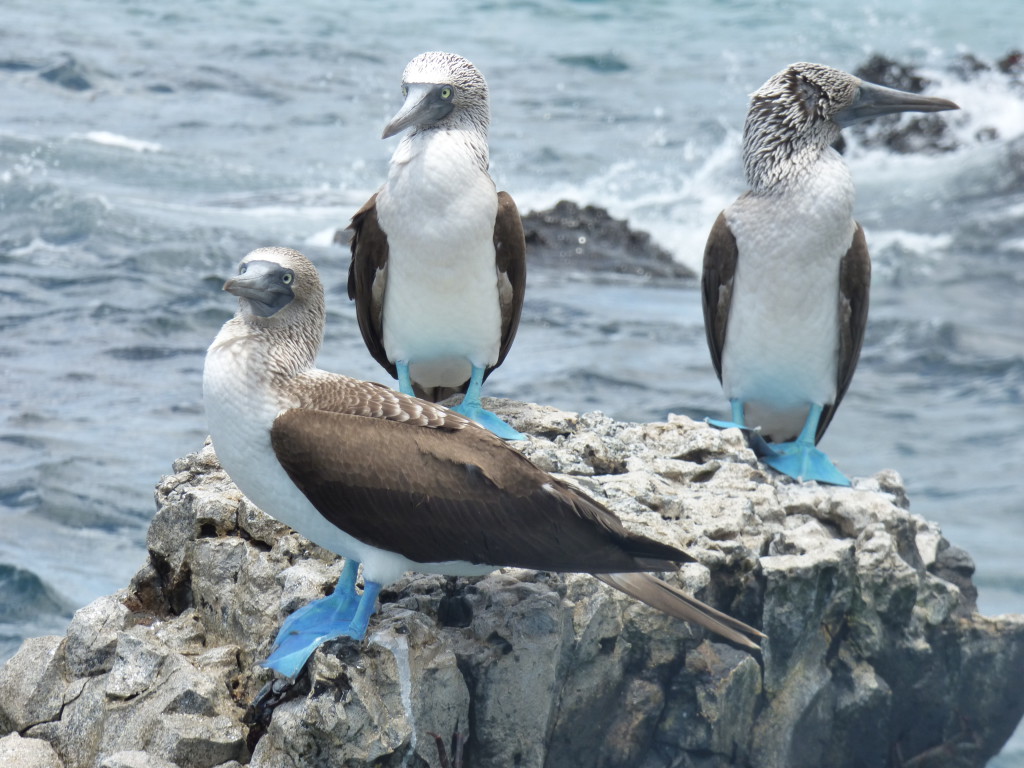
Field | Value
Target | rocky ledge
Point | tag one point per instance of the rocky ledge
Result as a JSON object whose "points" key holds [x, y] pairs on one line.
{"points": [[875, 656]]}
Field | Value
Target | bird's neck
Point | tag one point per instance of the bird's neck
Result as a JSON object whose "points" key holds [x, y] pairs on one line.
{"points": [[281, 350], [464, 138], [779, 170], [775, 158]]}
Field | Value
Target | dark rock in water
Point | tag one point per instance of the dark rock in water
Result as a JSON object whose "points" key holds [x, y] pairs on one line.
{"points": [[875, 654], [600, 62], [905, 133], [885, 71], [968, 66], [588, 239], [67, 74], [26, 596], [1012, 63]]}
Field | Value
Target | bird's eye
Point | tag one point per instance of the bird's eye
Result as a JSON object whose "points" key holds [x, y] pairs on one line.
{"points": [[446, 92], [242, 268], [405, 90], [287, 278]]}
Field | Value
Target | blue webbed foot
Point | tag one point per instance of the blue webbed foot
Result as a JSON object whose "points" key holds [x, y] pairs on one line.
{"points": [[804, 462], [342, 613], [471, 408], [488, 420], [799, 459]]}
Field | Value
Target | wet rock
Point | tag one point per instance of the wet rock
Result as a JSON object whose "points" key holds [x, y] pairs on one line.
{"points": [[570, 238], [875, 656], [905, 133]]}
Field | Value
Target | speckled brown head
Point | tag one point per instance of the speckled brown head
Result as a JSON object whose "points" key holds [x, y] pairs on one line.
{"points": [[799, 112]]}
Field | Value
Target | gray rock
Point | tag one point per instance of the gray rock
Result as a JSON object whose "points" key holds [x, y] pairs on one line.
{"points": [[17, 752], [588, 239], [33, 685], [875, 652], [134, 759]]}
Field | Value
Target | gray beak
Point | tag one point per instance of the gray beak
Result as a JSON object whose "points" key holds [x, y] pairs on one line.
{"points": [[876, 100], [423, 106], [266, 286]]}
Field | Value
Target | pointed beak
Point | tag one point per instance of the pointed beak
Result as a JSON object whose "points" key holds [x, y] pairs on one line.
{"points": [[254, 284], [262, 287], [877, 100], [422, 106]]}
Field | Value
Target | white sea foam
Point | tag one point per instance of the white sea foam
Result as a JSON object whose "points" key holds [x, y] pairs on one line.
{"points": [[927, 245], [116, 140]]}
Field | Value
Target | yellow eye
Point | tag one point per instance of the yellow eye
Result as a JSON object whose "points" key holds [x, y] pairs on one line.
{"points": [[446, 92], [287, 278]]}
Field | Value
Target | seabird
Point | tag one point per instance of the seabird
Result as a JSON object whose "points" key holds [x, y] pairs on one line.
{"points": [[438, 265], [786, 268], [391, 481]]}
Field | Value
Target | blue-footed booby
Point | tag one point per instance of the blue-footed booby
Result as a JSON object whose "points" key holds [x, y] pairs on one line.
{"points": [[391, 481], [438, 265], [786, 268]]}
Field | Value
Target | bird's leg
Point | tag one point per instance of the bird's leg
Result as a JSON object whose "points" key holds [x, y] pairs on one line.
{"points": [[404, 382], [800, 459], [367, 605], [471, 408], [737, 411], [318, 622], [736, 405]]}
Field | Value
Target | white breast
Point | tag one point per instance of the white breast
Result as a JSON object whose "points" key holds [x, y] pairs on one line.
{"points": [[441, 303], [782, 336], [240, 410]]}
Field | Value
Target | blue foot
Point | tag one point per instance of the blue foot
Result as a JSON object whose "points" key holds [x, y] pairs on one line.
{"points": [[804, 462], [342, 613], [488, 420], [471, 408], [799, 459]]}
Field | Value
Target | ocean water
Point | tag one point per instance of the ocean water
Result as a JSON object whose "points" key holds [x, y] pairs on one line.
{"points": [[145, 148]]}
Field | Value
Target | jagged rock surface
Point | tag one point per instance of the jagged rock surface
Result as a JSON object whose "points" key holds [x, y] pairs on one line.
{"points": [[875, 655]]}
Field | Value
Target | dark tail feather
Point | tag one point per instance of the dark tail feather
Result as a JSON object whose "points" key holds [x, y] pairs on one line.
{"points": [[666, 598]]}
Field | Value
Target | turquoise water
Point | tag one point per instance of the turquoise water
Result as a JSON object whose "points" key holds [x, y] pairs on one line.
{"points": [[145, 148]]}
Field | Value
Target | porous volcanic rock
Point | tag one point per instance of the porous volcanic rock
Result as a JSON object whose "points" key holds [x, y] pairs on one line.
{"points": [[875, 652]]}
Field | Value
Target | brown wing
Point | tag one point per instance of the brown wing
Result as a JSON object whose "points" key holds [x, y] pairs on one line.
{"points": [[854, 290], [510, 257], [435, 495], [367, 277], [720, 255]]}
